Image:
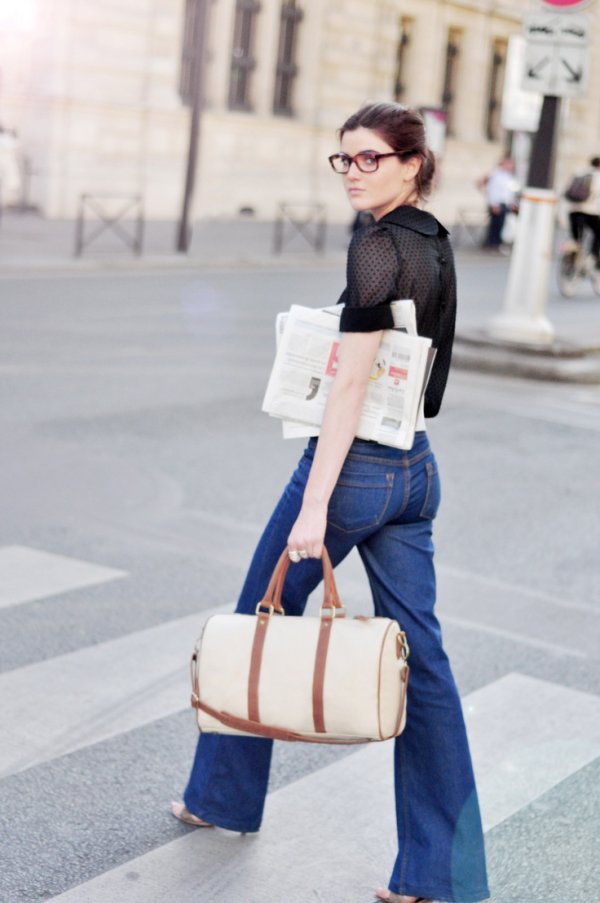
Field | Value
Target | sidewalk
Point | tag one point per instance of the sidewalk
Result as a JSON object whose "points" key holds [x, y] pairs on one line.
{"points": [[29, 243]]}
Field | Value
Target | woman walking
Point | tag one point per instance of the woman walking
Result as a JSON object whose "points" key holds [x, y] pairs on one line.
{"points": [[348, 492]]}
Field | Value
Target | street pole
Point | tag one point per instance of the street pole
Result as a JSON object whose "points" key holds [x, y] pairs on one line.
{"points": [[200, 22], [522, 318], [556, 61], [543, 153]]}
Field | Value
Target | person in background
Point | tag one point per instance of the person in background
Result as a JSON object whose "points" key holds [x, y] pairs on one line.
{"points": [[499, 188], [585, 214]]}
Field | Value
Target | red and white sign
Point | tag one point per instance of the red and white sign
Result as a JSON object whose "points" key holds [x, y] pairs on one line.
{"points": [[566, 6]]}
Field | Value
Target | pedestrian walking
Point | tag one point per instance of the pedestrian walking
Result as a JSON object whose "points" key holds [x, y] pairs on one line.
{"points": [[499, 188], [583, 195], [346, 493]]}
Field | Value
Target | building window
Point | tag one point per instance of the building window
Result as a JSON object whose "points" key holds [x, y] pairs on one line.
{"points": [[450, 74], [494, 106], [406, 25], [188, 52], [287, 70], [242, 59]]}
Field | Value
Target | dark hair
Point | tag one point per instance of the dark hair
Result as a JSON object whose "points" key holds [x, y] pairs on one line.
{"points": [[595, 162], [404, 130]]}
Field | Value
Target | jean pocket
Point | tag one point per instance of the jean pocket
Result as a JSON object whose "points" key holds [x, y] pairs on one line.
{"points": [[360, 501], [431, 502]]}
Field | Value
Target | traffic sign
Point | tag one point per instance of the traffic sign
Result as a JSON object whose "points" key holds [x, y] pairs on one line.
{"points": [[557, 54], [520, 109]]}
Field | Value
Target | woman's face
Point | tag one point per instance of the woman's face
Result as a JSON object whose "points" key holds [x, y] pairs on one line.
{"points": [[390, 186]]}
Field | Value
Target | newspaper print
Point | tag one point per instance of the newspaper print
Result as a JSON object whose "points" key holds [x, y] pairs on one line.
{"points": [[306, 364]]}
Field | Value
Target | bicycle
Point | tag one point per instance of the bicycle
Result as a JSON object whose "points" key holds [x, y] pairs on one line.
{"points": [[575, 265]]}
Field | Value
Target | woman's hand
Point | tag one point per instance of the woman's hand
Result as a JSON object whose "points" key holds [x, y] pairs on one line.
{"points": [[308, 532], [356, 354]]}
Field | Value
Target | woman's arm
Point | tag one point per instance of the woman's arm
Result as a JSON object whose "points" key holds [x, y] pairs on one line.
{"points": [[342, 412]]}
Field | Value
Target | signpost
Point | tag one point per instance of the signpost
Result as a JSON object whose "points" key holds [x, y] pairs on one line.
{"points": [[557, 63], [557, 54]]}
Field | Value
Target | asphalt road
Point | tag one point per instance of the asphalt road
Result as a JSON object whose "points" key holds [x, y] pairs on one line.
{"points": [[132, 439]]}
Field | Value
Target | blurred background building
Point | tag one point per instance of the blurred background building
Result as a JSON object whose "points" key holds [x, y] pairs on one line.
{"points": [[96, 95]]}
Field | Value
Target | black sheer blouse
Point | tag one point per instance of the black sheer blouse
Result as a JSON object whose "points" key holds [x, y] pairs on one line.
{"points": [[407, 254]]}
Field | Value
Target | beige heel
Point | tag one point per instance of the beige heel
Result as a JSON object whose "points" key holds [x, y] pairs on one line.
{"points": [[180, 812], [390, 897]]}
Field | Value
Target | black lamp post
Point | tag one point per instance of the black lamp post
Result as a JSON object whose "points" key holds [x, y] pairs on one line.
{"points": [[199, 26]]}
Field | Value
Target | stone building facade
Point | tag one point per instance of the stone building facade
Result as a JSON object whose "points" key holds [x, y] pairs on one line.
{"points": [[97, 92]]}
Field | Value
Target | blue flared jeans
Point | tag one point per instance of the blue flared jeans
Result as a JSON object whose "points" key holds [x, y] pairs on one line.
{"points": [[384, 503]]}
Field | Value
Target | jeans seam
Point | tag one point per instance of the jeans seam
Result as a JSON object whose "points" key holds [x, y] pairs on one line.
{"points": [[406, 819], [406, 499], [430, 477], [403, 462]]}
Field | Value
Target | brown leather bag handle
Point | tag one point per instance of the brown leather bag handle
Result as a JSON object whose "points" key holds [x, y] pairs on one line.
{"points": [[272, 596]]}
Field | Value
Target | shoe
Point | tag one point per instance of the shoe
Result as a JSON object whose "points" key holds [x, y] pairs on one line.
{"points": [[569, 247], [389, 896], [179, 811]]}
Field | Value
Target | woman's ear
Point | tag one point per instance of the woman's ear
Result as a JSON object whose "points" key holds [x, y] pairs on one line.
{"points": [[412, 167]]}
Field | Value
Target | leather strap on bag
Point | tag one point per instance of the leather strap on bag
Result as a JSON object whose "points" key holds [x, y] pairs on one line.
{"points": [[272, 601], [260, 634], [272, 596], [331, 608], [266, 730], [276, 733], [319, 673]]}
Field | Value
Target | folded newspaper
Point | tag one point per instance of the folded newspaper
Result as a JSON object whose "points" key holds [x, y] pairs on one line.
{"points": [[306, 362]]}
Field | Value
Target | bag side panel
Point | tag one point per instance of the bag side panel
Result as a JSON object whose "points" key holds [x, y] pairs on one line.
{"points": [[392, 693], [351, 687], [224, 653]]}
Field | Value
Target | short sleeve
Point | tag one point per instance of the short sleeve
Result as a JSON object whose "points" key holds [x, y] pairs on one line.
{"points": [[372, 276]]}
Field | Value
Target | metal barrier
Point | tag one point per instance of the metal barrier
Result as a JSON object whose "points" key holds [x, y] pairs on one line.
{"points": [[97, 204], [471, 223], [307, 220]]}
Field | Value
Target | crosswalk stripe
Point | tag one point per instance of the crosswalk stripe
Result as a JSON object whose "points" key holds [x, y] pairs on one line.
{"points": [[527, 735], [514, 637], [57, 706], [62, 704], [515, 590], [27, 574]]}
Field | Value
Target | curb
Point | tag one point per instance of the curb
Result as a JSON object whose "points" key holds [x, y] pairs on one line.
{"points": [[18, 266], [559, 362]]}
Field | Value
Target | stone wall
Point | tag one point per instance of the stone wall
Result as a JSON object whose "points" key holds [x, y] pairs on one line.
{"points": [[94, 95]]}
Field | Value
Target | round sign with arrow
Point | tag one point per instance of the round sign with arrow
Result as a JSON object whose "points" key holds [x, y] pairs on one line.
{"points": [[566, 6]]}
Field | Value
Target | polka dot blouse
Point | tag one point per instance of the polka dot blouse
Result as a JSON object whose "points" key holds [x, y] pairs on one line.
{"points": [[407, 254]]}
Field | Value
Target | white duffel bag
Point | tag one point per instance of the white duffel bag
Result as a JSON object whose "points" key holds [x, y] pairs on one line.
{"points": [[329, 679]]}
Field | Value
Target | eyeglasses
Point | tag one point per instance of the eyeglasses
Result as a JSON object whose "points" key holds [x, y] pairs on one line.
{"points": [[367, 161]]}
